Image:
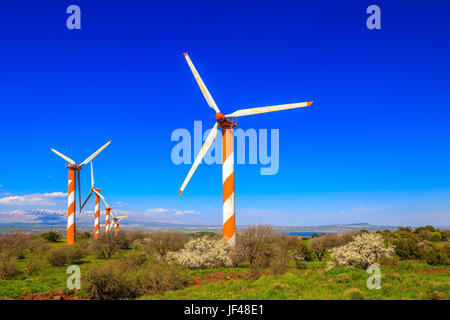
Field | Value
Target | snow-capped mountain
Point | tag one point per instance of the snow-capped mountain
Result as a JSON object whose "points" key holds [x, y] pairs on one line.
{"points": [[59, 217], [40, 216]]}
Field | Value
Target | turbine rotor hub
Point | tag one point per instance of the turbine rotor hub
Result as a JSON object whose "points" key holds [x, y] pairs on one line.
{"points": [[73, 167], [224, 123]]}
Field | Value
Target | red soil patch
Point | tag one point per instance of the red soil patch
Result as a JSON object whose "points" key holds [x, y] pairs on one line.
{"points": [[213, 277], [435, 270], [60, 296]]}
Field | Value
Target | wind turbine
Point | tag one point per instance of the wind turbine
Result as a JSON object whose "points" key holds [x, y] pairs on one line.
{"points": [[97, 203], [223, 121], [74, 174], [116, 222], [108, 212]]}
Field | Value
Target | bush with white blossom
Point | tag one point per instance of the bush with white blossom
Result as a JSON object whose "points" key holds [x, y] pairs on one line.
{"points": [[364, 250], [203, 253]]}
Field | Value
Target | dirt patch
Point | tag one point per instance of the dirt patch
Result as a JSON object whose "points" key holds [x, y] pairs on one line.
{"points": [[60, 296], [213, 277], [432, 270]]}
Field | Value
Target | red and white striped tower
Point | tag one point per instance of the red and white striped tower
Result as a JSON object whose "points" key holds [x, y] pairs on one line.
{"points": [[229, 223], [116, 225], [107, 210], [71, 205], [97, 215], [74, 174]]}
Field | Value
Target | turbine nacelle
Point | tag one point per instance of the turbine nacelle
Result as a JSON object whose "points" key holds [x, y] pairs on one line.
{"points": [[220, 117], [75, 167]]}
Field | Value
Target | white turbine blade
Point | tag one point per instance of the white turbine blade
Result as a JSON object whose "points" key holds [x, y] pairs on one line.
{"points": [[201, 154], [95, 153], [119, 205], [247, 112], [85, 201], [120, 218], [202, 86], [92, 175], [102, 197], [63, 156]]}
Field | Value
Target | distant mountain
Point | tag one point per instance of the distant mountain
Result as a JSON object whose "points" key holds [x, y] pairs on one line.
{"points": [[45, 217], [38, 216]]}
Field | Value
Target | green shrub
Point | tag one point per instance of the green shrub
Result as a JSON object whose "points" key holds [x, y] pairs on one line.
{"points": [[64, 255], [287, 243], [391, 261], [436, 295], [405, 230], [436, 256], [118, 279], [321, 244], [280, 286], [106, 246], [235, 256], [134, 260], [426, 234], [256, 245], [200, 234], [8, 266], [343, 278], [18, 244], [300, 261], [354, 294], [124, 239], [56, 257], [305, 251], [436, 237], [32, 266], [108, 282], [278, 264], [158, 244], [407, 248], [51, 236], [83, 236], [157, 278]]}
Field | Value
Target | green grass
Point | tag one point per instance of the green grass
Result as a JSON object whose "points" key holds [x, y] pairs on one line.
{"points": [[398, 282], [49, 280], [404, 280]]}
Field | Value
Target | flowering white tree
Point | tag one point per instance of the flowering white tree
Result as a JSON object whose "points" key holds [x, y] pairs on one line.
{"points": [[364, 250], [203, 253]]}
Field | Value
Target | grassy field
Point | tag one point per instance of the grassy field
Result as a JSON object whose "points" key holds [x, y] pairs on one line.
{"points": [[406, 279]]}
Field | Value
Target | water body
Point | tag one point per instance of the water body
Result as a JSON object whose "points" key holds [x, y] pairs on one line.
{"points": [[302, 234]]}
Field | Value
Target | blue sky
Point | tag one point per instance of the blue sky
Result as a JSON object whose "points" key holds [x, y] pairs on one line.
{"points": [[372, 148]]}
